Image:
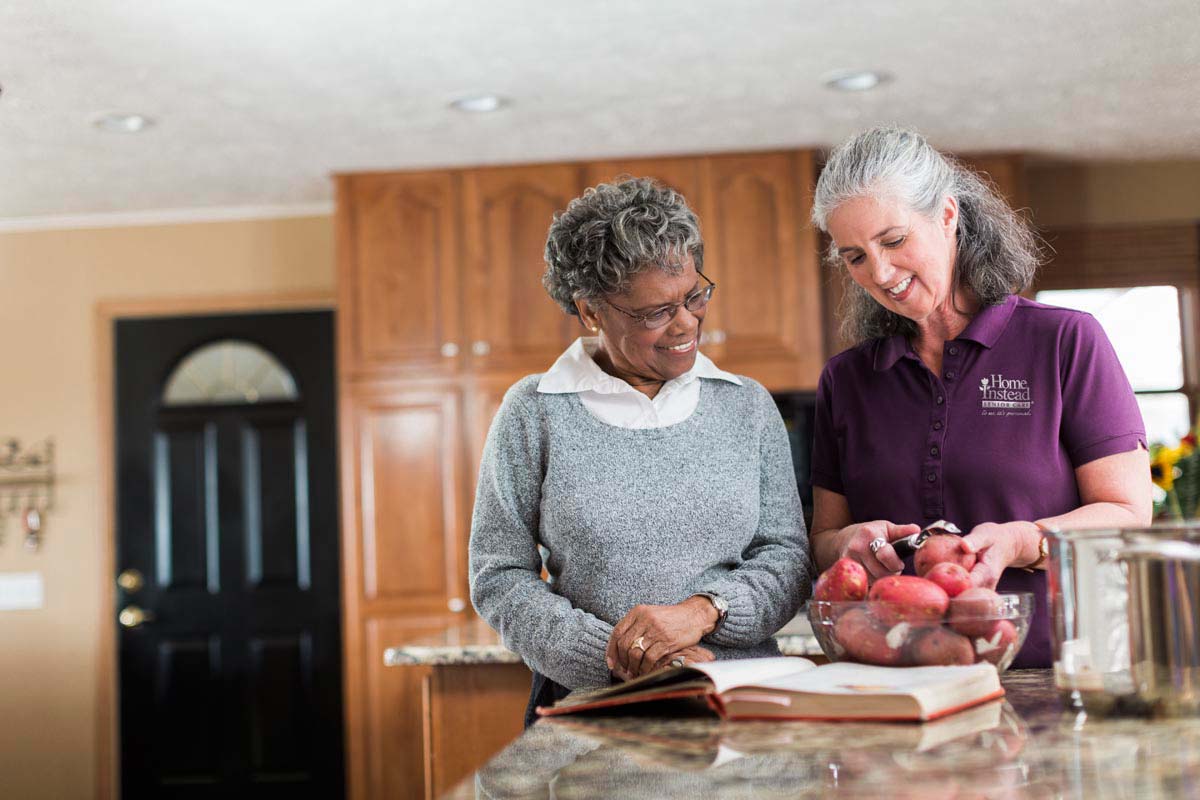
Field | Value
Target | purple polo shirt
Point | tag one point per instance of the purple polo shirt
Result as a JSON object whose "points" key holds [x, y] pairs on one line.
{"points": [[1028, 392]]}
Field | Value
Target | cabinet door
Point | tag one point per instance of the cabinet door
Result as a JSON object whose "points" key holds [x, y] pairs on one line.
{"points": [[513, 323], [687, 176], [407, 485], [762, 253], [398, 273]]}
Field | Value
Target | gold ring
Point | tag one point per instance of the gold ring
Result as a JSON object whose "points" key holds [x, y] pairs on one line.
{"points": [[639, 643]]}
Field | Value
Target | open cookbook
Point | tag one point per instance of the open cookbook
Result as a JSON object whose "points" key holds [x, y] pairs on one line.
{"points": [[795, 688]]}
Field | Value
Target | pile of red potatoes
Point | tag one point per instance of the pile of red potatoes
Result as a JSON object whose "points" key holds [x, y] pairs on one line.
{"points": [[932, 618]]}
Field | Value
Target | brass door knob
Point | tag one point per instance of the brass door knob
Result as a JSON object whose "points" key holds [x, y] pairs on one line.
{"points": [[131, 580], [134, 617]]}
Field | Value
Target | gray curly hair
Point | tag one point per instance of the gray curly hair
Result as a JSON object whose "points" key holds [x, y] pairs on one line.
{"points": [[997, 252], [614, 231]]}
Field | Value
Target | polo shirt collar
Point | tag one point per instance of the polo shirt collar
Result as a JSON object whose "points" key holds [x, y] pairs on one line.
{"points": [[990, 322], [576, 371], [985, 329]]}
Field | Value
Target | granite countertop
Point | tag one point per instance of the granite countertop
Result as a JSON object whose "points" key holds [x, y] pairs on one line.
{"points": [[473, 642], [1026, 746]]}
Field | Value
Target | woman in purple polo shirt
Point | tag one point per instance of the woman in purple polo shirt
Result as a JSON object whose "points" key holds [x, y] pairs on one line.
{"points": [[962, 400]]}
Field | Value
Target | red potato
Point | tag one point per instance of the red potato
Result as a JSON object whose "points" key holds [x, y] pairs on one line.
{"points": [[939, 647], [951, 577], [974, 612], [845, 580], [863, 640], [907, 598], [939, 549], [995, 646]]}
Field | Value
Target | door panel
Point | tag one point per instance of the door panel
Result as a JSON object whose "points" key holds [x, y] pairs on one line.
{"points": [[231, 685], [275, 504], [185, 524], [187, 680]]}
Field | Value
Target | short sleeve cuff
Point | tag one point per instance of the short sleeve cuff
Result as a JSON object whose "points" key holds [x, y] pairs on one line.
{"points": [[826, 481], [1110, 445]]}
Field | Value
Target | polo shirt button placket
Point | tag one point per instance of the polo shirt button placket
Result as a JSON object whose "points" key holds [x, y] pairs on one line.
{"points": [[932, 504]]}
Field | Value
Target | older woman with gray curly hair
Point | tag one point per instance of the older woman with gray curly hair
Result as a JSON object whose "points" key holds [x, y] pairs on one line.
{"points": [[961, 400], [656, 489]]}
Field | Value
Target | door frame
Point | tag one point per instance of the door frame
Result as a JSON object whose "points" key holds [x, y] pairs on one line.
{"points": [[107, 312]]}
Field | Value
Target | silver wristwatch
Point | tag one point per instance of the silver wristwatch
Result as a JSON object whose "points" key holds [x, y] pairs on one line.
{"points": [[719, 603]]}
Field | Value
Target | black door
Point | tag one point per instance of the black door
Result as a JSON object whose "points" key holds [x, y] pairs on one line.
{"points": [[228, 599]]}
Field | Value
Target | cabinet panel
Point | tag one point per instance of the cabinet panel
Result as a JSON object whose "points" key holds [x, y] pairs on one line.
{"points": [[764, 256], [399, 271], [513, 323], [408, 458], [687, 176]]}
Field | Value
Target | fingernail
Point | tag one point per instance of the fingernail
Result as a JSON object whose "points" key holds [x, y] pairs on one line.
{"points": [[609, 662]]}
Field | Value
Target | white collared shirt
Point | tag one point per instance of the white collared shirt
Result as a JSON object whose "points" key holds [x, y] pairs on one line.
{"points": [[614, 401]]}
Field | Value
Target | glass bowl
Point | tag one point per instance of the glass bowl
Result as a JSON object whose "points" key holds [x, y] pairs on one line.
{"points": [[868, 632]]}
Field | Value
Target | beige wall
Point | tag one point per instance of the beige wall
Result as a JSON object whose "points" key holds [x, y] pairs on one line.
{"points": [[1110, 193], [50, 285]]}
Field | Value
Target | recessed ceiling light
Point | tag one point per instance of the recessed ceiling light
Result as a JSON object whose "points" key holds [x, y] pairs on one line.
{"points": [[122, 123], [854, 80], [479, 103]]}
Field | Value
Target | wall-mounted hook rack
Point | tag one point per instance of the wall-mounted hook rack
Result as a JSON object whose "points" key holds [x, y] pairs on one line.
{"points": [[27, 485]]}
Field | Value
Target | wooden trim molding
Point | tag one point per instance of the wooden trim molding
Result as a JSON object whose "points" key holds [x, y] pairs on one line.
{"points": [[107, 736]]}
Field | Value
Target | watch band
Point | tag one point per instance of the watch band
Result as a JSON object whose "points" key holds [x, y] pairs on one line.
{"points": [[719, 603], [1043, 548]]}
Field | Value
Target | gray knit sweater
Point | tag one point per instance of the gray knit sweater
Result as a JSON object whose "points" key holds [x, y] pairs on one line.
{"points": [[634, 516]]}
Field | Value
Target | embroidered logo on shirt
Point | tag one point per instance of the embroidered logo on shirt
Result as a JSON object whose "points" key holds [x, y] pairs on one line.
{"points": [[1005, 397]]}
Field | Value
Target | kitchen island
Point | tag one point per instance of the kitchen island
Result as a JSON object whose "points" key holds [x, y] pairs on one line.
{"points": [[1027, 746]]}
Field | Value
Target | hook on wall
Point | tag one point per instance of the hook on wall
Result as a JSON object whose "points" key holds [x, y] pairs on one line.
{"points": [[27, 486]]}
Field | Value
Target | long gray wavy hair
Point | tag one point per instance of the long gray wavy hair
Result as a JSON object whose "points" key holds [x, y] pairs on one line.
{"points": [[614, 231], [997, 252]]}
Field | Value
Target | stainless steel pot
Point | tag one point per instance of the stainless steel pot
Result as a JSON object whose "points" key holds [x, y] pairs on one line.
{"points": [[1164, 624], [1123, 606]]}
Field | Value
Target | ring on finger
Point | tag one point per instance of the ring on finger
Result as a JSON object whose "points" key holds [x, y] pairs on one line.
{"points": [[677, 662], [876, 544], [639, 644]]}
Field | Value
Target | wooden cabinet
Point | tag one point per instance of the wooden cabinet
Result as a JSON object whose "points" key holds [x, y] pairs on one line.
{"points": [[512, 322], [441, 309], [408, 474], [763, 255], [759, 248], [399, 261]]}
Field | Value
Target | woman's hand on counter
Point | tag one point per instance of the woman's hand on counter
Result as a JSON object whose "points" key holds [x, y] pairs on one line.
{"points": [[998, 546], [647, 634], [688, 655]]}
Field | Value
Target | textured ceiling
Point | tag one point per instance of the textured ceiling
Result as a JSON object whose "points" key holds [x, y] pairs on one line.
{"points": [[258, 101]]}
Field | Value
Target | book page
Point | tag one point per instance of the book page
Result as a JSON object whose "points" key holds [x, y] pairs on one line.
{"points": [[751, 671], [857, 679]]}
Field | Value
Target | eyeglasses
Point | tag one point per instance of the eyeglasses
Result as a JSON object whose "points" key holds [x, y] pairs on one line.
{"points": [[662, 316]]}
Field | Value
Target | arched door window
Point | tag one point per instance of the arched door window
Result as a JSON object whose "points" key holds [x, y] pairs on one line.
{"points": [[229, 372]]}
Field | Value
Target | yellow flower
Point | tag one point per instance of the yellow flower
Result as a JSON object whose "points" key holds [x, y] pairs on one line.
{"points": [[1163, 461]]}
